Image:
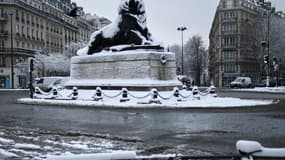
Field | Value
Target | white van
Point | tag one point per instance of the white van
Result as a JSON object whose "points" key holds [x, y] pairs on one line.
{"points": [[242, 82], [47, 83]]}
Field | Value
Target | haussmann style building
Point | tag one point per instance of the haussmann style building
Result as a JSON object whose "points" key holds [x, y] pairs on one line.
{"points": [[235, 39], [30, 26]]}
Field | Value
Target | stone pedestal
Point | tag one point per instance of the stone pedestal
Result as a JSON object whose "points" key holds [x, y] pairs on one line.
{"points": [[135, 70]]}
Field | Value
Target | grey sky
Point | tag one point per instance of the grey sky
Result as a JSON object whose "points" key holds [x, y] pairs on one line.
{"points": [[164, 16]]}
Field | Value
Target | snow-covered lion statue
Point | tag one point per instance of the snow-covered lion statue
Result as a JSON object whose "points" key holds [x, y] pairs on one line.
{"points": [[129, 28]]}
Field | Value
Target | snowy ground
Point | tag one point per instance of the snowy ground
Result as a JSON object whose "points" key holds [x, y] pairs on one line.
{"points": [[265, 89], [36, 144], [111, 99]]}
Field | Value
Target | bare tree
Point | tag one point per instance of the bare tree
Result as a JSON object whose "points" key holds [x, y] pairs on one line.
{"points": [[277, 37], [72, 48], [52, 64], [195, 63]]}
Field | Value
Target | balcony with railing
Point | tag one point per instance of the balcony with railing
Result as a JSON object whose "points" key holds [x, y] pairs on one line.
{"points": [[29, 7], [3, 33], [18, 51], [230, 32]]}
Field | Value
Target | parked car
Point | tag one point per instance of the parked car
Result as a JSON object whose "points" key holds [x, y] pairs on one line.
{"points": [[242, 82], [272, 82], [47, 83]]}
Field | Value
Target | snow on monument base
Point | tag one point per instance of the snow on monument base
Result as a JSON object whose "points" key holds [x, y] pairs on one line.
{"points": [[133, 69]]}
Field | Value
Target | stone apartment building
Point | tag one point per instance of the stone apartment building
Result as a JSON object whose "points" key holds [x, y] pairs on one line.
{"points": [[30, 26], [235, 38]]}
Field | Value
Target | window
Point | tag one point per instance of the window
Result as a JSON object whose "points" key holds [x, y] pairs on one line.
{"points": [[229, 15], [28, 31], [229, 68], [229, 28], [229, 41], [28, 18], [229, 4], [1, 27], [2, 44], [2, 14], [17, 28], [23, 17], [229, 55], [2, 61], [23, 31], [17, 15]]}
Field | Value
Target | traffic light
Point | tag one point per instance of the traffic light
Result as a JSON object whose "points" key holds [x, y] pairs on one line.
{"points": [[31, 64], [265, 59]]}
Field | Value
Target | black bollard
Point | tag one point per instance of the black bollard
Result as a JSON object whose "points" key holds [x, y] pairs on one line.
{"points": [[124, 95]]}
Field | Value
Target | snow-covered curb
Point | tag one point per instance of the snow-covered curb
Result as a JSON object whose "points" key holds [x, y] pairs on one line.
{"points": [[140, 99], [264, 89], [203, 103]]}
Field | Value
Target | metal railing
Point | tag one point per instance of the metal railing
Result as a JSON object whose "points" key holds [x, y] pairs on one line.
{"points": [[19, 51]]}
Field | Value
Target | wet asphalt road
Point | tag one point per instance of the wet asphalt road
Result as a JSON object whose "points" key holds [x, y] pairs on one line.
{"points": [[213, 130]]}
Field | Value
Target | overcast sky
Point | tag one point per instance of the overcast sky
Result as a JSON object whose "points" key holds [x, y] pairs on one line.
{"points": [[164, 16]]}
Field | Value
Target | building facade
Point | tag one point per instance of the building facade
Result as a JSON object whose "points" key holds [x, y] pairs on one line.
{"points": [[235, 37], [31, 26]]}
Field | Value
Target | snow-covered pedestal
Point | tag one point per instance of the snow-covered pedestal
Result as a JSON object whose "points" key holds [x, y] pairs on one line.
{"points": [[132, 69]]}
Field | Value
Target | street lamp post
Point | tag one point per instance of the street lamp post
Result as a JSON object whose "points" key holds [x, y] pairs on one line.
{"points": [[12, 52], [182, 29], [269, 10]]}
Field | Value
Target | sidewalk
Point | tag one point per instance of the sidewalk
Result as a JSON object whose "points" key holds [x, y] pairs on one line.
{"points": [[11, 90], [263, 89]]}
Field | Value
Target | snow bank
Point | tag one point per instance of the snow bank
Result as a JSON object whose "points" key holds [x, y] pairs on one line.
{"points": [[257, 150], [6, 141], [26, 146], [99, 156], [7, 154]]}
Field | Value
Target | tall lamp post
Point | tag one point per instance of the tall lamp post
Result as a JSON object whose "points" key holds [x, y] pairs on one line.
{"points": [[12, 52], [182, 29], [269, 9]]}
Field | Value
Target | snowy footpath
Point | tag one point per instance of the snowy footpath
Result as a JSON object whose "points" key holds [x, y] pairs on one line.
{"points": [[135, 99], [264, 89]]}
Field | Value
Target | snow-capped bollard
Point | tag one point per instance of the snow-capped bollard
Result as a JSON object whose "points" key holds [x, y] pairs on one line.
{"points": [[37, 93], [124, 95], [176, 94], [213, 91], [98, 94], [154, 96], [74, 95], [184, 87], [195, 92], [54, 93]]}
